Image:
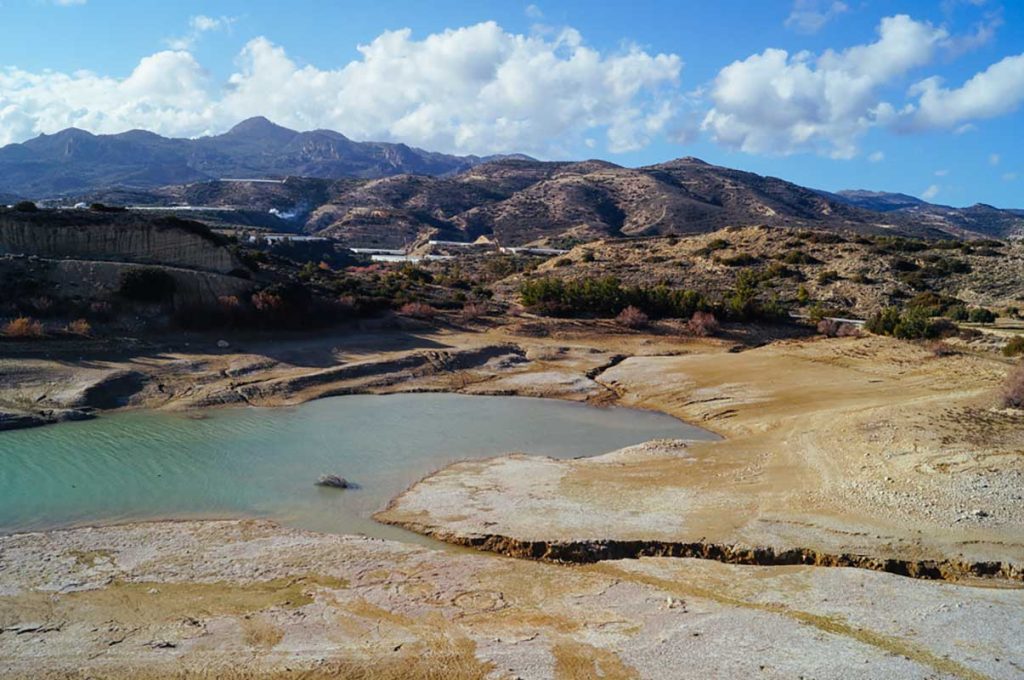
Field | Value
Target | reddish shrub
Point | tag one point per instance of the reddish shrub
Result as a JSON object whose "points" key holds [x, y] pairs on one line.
{"points": [[1013, 388], [632, 317], [267, 302], [417, 310], [703, 324], [23, 327]]}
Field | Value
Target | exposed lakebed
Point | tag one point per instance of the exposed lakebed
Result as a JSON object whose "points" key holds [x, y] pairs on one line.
{"points": [[254, 462]]}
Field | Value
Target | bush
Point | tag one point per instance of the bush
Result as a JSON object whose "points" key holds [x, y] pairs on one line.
{"points": [[799, 257], [605, 297], [982, 315], [80, 327], [1015, 347], [23, 327], [1013, 388], [883, 322], [632, 317], [912, 324], [417, 310], [702, 324], [26, 206], [147, 284], [941, 349]]}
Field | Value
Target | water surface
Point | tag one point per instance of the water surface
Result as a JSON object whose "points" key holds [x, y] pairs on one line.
{"points": [[253, 462]]}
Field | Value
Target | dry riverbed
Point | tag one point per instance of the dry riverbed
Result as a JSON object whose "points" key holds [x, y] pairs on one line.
{"points": [[859, 452]]}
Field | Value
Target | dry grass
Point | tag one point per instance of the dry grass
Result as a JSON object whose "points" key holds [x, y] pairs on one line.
{"points": [[23, 327], [80, 327]]}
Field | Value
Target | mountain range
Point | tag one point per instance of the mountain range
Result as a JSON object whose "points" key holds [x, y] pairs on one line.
{"points": [[391, 195], [75, 161]]}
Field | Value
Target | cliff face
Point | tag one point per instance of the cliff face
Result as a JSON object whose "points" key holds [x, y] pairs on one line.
{"points": [[115, 239], [99, 280]]}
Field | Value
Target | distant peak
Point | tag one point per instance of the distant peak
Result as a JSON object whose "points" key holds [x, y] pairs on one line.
{"points": [[258, 125]]}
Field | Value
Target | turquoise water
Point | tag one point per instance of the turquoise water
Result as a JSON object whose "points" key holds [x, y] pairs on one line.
{"points": [[252, 462]]}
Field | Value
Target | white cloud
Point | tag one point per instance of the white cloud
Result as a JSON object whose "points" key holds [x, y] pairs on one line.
{"points": [[877, 157], [1009, 176], [69, 3], [477, 89], [775, 102], [198, 25], [534, 12], [994, 159], [941, 173], [931, 192], [996, 91], [810, 16]]}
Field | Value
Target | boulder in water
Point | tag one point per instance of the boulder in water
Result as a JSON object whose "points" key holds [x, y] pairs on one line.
{"points": [[333, 481]]}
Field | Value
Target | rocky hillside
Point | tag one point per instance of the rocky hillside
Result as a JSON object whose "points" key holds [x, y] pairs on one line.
{"points": [[845, 272], [519, 202], [74, 161]]}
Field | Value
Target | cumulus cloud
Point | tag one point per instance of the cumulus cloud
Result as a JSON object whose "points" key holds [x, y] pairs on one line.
{"points": [[775, 102], [931, 192], [996, 91], [198, 25], [810, 16], [877, 157], [166, 92], [476, 89]]}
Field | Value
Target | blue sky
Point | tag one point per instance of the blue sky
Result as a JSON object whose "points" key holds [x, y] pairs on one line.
{"points": [[918, 97]]}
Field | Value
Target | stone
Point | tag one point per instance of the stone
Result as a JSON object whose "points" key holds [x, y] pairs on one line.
{"points": [[333, 481]]}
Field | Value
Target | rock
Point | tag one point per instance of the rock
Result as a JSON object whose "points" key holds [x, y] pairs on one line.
{"points": [[223, 344], [333, 481]]}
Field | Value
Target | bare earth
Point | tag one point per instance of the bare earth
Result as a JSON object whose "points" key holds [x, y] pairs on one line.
{"points": [[865, 453]]}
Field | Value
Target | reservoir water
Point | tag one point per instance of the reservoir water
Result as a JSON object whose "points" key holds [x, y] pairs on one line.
{"points": [[253, 462]]}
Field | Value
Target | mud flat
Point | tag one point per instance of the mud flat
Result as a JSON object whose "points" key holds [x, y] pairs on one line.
{"points": [[861, 452], [252, 600]]}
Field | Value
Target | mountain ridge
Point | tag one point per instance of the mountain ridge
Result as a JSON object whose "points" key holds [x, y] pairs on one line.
{"points": [[75, 160]]}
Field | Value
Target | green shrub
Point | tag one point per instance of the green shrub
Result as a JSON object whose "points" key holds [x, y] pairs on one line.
{"points": [[26, 206], [982, 315], [799, 257], [1015, 347]]}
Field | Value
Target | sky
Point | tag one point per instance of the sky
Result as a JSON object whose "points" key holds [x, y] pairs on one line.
{"points": [[923, 98]]}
